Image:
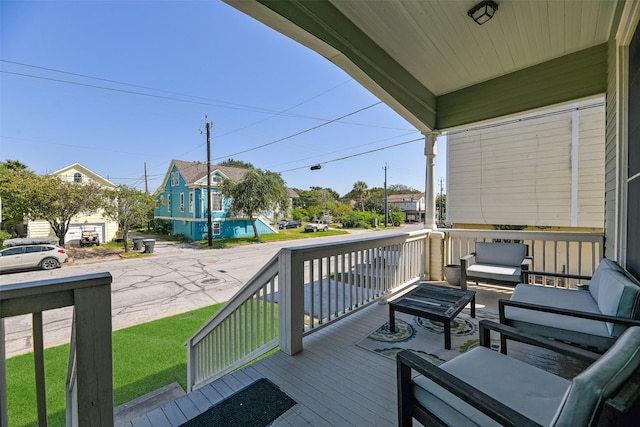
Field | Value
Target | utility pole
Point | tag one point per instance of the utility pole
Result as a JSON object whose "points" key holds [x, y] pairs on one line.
{"points": [[146, 181], [209, 204], [386, 206], [441, 191]]}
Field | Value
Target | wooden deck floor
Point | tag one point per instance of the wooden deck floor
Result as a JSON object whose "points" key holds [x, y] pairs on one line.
{"points": [[334, 382]]}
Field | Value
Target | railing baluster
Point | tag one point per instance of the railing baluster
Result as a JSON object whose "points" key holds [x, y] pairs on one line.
{"points": [[272, 305], [38, 361], [4, 420], [312, 296]]}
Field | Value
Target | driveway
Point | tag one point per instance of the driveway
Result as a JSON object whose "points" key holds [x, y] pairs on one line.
{"points": [[175, 279]]}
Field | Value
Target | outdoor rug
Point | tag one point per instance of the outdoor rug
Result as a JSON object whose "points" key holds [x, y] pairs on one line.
{"points": [[256, 405], [426, 337]]}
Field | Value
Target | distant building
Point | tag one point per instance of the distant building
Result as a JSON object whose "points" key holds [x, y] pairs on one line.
{"points": [[411, 205], [105, 227], [182, 200]]}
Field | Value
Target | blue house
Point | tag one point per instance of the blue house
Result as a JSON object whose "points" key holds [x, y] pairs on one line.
{"points": [[182, 200]]}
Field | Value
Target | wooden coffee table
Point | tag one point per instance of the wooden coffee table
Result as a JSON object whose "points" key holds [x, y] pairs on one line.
{"points": [[433, 302]]}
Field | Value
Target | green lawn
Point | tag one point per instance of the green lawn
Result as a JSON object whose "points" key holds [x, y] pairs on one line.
{"points": [[145, 358], [290, 234]]}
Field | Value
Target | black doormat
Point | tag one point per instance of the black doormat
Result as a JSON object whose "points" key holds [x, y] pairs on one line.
{"points": [[256, 405]]}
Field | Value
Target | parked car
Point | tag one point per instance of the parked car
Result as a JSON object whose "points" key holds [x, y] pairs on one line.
{"points": [[27, 257], [288, 223], [317, 225]]}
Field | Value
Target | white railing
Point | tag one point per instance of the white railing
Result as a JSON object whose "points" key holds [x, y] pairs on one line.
{"points": [[245, 328], [312, 286], [89, 379], [555, 252]]}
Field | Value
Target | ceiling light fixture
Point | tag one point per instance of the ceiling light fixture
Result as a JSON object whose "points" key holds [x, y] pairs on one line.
{"points": [[483, 11]]}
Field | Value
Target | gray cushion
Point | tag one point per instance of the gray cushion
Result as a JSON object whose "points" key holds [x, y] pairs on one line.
{"points": [[529, 390], [511, 254], [599, 381], [557, 325], [495, 272], [594, 285], [611, 286]]}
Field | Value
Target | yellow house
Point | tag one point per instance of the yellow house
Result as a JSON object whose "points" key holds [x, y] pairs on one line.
{"points": [[96, 221]]}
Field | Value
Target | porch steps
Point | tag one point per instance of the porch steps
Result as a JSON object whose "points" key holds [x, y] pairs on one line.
{"points": [[126, 412], [175, 411]]}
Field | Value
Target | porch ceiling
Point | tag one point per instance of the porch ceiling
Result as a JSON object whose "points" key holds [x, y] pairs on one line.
{"points": [[437, 68]]}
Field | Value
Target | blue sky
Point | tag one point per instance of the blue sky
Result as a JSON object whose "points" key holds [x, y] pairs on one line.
{"points": [[115, 84]]}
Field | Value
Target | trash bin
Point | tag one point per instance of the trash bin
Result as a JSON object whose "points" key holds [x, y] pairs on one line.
{"points": [[374, 222], [137, 243], [148, 245]]}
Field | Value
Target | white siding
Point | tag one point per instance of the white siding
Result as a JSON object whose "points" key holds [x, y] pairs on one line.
{"points": [[39, 229], [519, 172]]}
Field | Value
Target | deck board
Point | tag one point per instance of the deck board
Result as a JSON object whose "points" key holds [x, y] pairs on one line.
{"points": [[334, 382]]}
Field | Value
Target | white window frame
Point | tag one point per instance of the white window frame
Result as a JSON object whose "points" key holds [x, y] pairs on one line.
{"points": [[181, 202], [215, 226], [214, 196], [175, 179], [169, 203], [191, 202]]}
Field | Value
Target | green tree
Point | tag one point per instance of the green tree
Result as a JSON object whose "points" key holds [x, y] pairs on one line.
{"points": [[441, 206], [128, 207], [14, 176], [237, 164], [401, 189], [338, 209], [49, 198], [360, 193], [257, 192], [13, 165]]}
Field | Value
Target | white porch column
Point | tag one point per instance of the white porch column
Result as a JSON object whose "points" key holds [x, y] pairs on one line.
{"points": [[430, 152]]}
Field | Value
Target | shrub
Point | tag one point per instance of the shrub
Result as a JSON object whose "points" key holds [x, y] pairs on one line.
{"points": [[162, 225], [4, 235], [359, 219]]}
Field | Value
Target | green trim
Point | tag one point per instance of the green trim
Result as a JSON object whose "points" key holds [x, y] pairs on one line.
{"points": [[570, 77], [574, 76], [324, 21]]}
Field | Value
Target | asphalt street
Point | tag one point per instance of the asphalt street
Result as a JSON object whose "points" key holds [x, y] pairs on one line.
{"points": [[176, 279]]}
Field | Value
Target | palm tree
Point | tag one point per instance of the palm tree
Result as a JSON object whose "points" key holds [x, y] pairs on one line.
{"points": [[360, 192]]}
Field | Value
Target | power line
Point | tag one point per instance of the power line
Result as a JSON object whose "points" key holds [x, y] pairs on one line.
{"points": [[357, 154], [301, 132], [212, 102]]}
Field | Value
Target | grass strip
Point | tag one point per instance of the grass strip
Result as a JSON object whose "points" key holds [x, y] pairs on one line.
{"points": [[146, 357]]}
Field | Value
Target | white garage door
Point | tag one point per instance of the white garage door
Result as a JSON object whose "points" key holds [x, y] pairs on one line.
{"points": [[75, 231]]}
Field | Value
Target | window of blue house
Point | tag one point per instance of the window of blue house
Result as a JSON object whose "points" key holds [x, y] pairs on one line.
{"points": [[216, 228], [191, 202], [169, 202], [217, 202], [175, 179], [181, 202]]}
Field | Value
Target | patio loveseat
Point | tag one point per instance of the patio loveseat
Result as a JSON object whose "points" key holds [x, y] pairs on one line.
{"points": [[593, 318], [495, 262], [486, 388]]}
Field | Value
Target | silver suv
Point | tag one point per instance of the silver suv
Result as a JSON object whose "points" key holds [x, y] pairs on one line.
{"points": [[25, 257]]}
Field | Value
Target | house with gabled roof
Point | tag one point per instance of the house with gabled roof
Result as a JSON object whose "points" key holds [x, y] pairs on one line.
{"points": [[96, 221], [182, 200], [411, 205]]}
